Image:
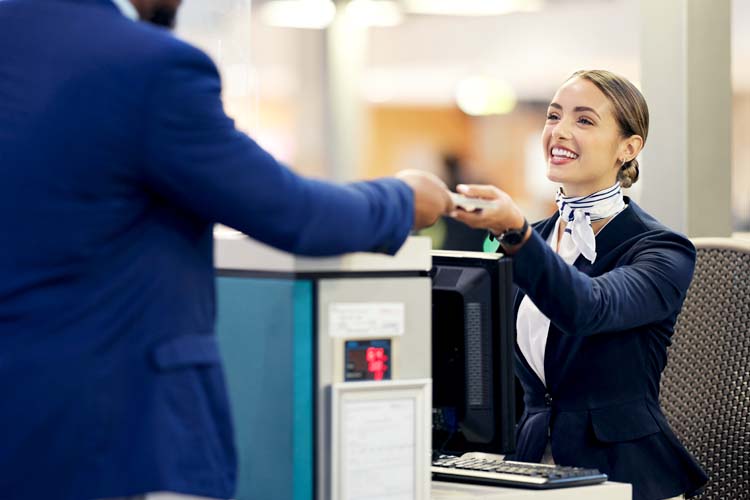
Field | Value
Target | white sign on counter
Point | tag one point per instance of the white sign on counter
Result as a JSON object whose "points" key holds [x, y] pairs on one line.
{"points": [[358, 320]]}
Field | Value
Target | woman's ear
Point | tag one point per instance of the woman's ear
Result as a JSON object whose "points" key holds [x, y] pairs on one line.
{"points": [[630, 147]]}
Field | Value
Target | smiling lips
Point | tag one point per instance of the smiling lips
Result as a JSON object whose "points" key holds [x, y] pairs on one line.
{"points": [[560, 155]]}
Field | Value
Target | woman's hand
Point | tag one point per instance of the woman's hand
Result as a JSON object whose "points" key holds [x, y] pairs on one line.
{"points": [[498, 219]]}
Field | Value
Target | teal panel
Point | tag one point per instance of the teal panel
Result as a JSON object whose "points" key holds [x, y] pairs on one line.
{"points": [[304, 465], [265, 333]]}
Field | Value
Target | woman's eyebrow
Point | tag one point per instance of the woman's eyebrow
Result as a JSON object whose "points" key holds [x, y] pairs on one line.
{"points": [[577, 109]]}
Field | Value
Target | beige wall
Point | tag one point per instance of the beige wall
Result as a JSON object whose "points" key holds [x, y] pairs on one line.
{"points": [[741, 162], [412, 137], [492, 149]]}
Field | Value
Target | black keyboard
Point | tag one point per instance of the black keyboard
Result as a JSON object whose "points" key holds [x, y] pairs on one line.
{"points": [[473, 468]]}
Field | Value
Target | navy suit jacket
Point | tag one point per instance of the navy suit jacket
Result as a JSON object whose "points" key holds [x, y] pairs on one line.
{"points": [[116, 158], [610, 325]]}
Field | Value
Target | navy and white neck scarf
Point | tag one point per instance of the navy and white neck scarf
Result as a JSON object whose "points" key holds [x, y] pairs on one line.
{"points": [[580, 211]]}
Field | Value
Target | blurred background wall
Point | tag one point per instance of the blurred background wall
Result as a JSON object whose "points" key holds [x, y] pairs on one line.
{"points": [[453, 87]]}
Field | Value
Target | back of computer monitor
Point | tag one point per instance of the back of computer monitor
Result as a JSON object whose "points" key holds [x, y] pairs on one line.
{"points": [[472, 353]]}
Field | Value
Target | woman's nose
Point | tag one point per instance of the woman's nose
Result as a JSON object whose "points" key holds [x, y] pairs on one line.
{"points": [[561, 130]]}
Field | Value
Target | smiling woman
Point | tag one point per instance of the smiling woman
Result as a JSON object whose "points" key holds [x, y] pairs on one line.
{"points": [[608, 134], [600, 285]]}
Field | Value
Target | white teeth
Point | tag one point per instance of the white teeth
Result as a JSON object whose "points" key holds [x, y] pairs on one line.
{"points": [[564, 152]]}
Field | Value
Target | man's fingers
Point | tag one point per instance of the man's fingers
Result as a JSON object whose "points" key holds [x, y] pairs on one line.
{"points": [[449, 206]]}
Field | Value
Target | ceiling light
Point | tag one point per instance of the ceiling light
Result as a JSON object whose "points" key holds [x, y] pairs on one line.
{"points": [[482, 96], [311, 14], [471, 7], [374, 12]]}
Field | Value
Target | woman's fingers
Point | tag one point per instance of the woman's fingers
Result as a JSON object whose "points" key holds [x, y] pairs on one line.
{"points": [[480, 219], [483, 191], [503, 214]]}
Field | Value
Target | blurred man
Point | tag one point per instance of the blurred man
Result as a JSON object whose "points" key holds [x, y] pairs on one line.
{"points": [[116, 158]]}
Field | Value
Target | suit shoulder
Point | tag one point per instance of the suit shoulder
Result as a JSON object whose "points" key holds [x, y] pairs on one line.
{"points": [[160, 46], [651, 224], [170, 43], [654, 234]]}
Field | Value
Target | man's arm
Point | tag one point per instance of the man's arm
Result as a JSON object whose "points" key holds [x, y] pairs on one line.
{"points": [[196, 158]]}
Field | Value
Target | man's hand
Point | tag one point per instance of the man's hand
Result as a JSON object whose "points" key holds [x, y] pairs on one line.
{"points": [[431, 196]]}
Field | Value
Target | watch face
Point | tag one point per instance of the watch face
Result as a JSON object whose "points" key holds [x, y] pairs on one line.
{"points": [[512, 237]]}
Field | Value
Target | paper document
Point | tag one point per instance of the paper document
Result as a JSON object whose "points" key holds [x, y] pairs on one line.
{"points": [[378, 449]]}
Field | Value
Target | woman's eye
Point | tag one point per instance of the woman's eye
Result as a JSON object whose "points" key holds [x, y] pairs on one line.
{"points": [[552, 116], [585, 121]]}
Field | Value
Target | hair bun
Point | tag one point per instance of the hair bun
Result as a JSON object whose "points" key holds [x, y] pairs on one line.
{"points": [[629, 173]]}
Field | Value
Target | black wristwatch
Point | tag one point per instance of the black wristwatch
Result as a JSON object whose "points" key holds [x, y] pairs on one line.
{"points": [[512, 237]]}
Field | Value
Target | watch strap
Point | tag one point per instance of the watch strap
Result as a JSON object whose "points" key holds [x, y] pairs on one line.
{"points": [[512, 237]]}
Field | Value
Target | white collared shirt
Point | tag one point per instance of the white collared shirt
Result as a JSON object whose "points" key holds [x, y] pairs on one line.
{"points": [[532, 326], [127, 9]]}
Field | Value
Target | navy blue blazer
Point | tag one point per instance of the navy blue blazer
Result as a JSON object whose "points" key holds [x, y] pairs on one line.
{"points": [[115, 159], [610, 325]]}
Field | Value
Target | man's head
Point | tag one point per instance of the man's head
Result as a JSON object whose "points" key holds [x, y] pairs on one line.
{"points": [[159, 12]]}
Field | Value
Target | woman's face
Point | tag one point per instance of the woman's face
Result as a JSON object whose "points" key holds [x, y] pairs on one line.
{"points": [[581, 139]]}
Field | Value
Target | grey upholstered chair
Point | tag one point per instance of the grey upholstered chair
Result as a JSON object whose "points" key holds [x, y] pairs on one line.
{"points": [[705, 389]]}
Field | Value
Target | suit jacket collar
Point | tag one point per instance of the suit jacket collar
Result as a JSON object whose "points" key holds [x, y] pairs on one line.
{"points": [[127, 9], [545, 227]]}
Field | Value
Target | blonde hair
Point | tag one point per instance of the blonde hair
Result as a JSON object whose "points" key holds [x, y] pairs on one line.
{"points": [[630, 109]]}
